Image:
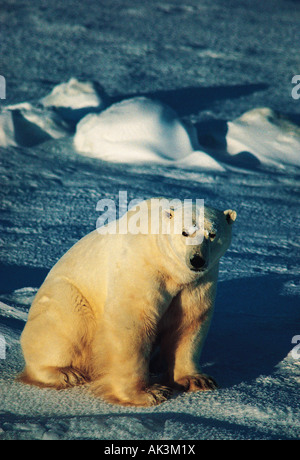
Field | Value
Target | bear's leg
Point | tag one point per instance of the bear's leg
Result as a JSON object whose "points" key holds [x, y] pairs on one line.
{"points": [[55, 340], [121, 362], [182, 343], [183, 372], [187, 375]]}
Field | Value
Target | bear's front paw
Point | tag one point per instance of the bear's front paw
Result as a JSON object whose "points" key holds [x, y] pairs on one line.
{"points": [[196, 382]]}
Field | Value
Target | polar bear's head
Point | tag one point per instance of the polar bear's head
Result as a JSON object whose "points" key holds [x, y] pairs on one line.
{"points": [[192, 235], [202, 237]]}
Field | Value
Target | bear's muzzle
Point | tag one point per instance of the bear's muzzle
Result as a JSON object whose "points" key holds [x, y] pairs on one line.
{"points": [[198, 263]]}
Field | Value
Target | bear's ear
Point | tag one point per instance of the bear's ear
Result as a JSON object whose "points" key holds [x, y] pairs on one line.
{"points": [[169, 213], [230, 216]]}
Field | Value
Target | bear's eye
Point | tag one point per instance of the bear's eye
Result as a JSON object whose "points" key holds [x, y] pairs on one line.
{"points": [[212, 236], [184, 233]]}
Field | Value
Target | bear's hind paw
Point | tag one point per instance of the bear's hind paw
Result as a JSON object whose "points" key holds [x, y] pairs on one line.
{"points": [[71, 376], [54, 377]]}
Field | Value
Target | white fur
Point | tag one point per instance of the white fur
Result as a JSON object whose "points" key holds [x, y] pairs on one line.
{"points": [[112, 297]]}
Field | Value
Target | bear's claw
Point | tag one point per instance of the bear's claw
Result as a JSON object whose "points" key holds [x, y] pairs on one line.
{"points": [[159, 393], [72, 376], [197, 382]]}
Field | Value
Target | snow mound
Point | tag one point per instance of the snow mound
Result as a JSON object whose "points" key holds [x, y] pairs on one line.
{"points": [[199, 160], [140, 130], [269, 136], [74, 99], [52, 117], [27, 125]]}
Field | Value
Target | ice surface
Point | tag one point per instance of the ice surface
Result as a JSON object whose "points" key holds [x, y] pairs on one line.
{"points": [[211, 63]]}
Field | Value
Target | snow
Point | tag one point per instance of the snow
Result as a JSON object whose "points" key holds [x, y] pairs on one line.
{"points": [[267, 135], [74, 99], [194, 101], [75, 95], [28, 125], [141, 130]]}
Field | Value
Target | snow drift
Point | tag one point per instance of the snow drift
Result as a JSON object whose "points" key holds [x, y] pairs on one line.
{"points": [[28, 125], [267, 135], [75, 98], [52, 117], [141, 130]]}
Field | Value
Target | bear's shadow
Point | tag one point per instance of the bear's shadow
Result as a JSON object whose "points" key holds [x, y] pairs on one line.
{"points": [[252, 329]]}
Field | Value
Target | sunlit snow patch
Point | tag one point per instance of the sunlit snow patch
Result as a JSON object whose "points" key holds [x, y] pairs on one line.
{"points": [[75, 98], [141, 130], [270, 137]]}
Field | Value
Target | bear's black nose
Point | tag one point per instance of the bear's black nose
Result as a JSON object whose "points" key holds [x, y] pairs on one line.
{"points": [[197, 261]]}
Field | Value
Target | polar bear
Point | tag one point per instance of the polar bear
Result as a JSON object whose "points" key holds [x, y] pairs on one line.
{"points": [[114, 297]]}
